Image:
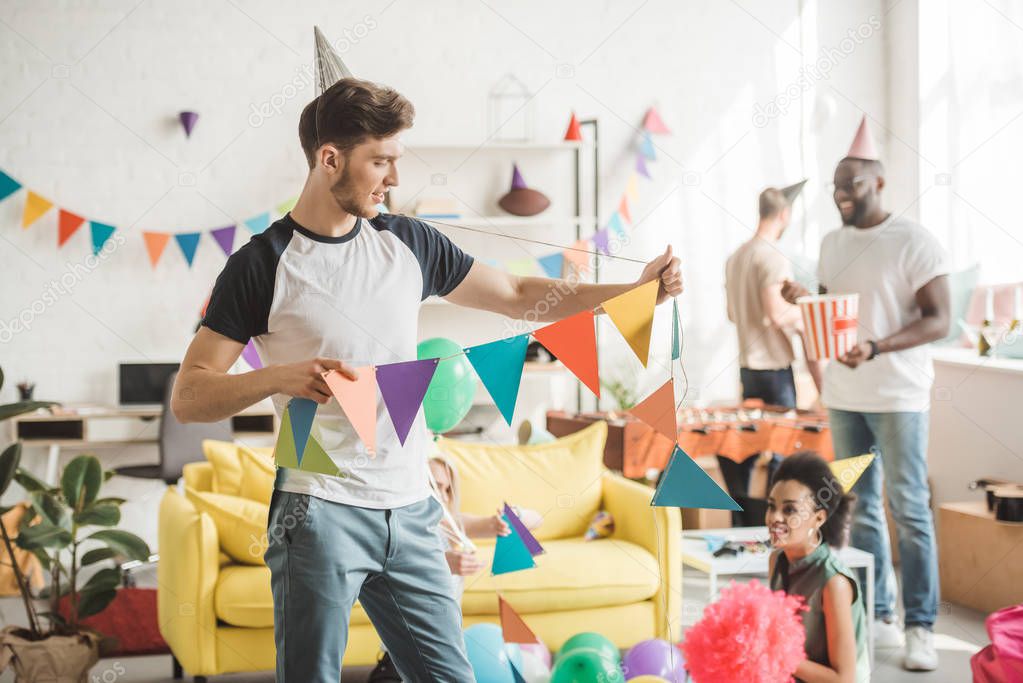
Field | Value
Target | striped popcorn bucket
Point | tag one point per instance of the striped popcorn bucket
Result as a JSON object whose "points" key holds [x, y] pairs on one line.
{"points": [[830, 323]]}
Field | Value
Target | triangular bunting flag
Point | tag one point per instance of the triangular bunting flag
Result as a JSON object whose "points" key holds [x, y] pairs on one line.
{"points": [[302, 410], [258, 224], [848, 470], [284, 450], [676, 331], [654, 123], [623, 209], [646, 147], [684, 484], [67, 225], [515, 673], [573, 341], [658, 411], [499, 366], [632, 188], [600, 241], [315, 459], [514, 629], [287, 205], [8, 186], [189, 242], [616, 224], [35, 206], [633, 314], [101, 232], [579, 256], [511, 554], [523, 267], [156, 242], [225, 238], [251, 356], [525, 534], [574, 133], [552, 264], [641, 166], [403, 386], [358, 400]]}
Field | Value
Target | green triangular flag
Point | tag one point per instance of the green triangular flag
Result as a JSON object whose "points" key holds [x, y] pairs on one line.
{"points": [[317, 460], [676, 327], [685, 485], [287, 205], [511, 553], [284, 451]]}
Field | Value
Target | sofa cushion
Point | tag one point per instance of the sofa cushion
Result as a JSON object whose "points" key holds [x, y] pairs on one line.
{"points": [[241, 524], [561, 480], [258, 473], [573, 574], [227, 470], [242, 597]]}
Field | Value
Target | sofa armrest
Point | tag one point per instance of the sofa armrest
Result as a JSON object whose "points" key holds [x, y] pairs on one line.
{"points": [[187, 576], [659, 531]]}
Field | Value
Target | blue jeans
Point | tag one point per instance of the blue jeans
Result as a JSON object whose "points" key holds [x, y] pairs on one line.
{"points": [[773, 387], [900, 442], [323, 555]]}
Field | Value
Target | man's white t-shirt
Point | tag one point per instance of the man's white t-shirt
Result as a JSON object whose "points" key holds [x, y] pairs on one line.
{"points": [[886, 265]]}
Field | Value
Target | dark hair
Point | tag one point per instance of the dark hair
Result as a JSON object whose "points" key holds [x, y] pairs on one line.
{"points": [[349, 112], [772, 202], [873, 166], [810, 470]]}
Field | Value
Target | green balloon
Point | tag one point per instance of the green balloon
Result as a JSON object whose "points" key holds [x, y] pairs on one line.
{"points": [[591, 641], [453, 387], [585, 665]]}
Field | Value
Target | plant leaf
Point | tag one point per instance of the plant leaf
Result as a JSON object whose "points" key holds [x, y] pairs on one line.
{"points": [[81, 481], [9, 410], [104, 579], [43, 535], [44, 558], [110, 501], [30, 482], [123, 542], [97, 555], [94, 602], [50, 508], [9, 461], [99, 515]]}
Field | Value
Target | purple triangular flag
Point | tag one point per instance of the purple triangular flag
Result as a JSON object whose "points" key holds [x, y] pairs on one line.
{"points": [[518, 182], [225, 238], [251, 356], [600, 240], [641, 166], [403, 386], [527, 537], [188, 119]]}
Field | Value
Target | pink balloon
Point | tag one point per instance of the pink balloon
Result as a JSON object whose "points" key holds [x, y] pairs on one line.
{"points": [[538, 650]]}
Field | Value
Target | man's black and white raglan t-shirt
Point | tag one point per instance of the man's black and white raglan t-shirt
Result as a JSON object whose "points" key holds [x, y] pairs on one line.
{"points": [[356, 298]]}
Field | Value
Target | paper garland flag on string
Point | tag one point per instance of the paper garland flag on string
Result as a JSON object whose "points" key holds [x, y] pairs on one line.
{"points": [[521, 266], [684, 484], [616, 224], [632, 188], [658, 411], [574, 133], [849, 470], [654, 123], [623, 209], [676, 331], [287, 205], [553, 264], [641, 166], [258, 224], [515, 673], [67, 225], [189, 242], [511, 554], [632, 312], [225, 238], [403, 386], [156, 242], [646, 147], [578, 256], [251, 356], [499, 366], [524, 533], [35, 206], [513, 628], [303, 411], [8, 186], [573, 341], [101, 232], [600, 241], [358, 400], [313, 459]]}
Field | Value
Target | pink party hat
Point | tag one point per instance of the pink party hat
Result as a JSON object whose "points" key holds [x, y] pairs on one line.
{"points": [[863, 146]]}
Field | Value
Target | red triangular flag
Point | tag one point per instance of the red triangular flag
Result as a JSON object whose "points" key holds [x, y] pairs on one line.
{"points": [[574, 342], [67, 224], [574, 133], [623, 209], [654, 123], [658, 411], [515, 630]]}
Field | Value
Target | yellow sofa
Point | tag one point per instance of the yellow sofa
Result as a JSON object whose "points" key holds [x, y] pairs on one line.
{"points": [[217, 615]]}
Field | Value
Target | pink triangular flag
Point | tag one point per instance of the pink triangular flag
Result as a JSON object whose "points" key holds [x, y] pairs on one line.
{"points": [[358, 400], [654, 123], [863, 146]]}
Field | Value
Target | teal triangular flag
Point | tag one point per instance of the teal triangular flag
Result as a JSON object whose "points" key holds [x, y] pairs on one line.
{"points": [[101, 232], [189, 242], [676, 332], [515, 674], [685, 485], [8, 186], [511, 554], [646, 147], [302, 411], [616, 224], [499, 366], [258, 224], [552, 263]]}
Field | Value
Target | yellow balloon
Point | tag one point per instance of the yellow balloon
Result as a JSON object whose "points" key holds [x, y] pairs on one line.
{"points": [[648, 679]]}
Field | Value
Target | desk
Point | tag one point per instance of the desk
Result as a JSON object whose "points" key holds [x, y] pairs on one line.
{"points": [[98, 426], [696, 556]]}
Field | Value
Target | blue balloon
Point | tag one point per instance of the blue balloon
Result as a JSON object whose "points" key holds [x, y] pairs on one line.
{"points": [[491, 658]]}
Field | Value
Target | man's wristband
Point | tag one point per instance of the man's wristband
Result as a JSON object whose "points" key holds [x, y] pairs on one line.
{"points": [[874, 351]]}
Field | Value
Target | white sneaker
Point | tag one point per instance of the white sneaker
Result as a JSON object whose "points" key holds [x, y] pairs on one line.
{"points": [[888, 634], [920, 652]]}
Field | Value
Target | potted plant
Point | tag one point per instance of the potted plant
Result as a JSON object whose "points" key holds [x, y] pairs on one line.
{"points": [[68, 527]]}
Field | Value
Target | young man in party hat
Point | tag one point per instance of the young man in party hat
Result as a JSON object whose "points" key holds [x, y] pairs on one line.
{"points": [[878, 394], [336, 285]]}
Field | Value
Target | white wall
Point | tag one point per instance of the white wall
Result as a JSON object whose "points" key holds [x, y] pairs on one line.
{"points": [[91, 91]]}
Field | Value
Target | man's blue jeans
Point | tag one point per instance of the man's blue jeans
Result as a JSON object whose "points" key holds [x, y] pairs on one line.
{"points": [[900, 441]]}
